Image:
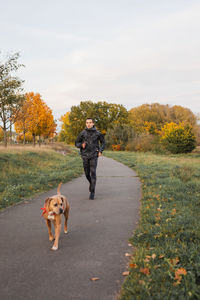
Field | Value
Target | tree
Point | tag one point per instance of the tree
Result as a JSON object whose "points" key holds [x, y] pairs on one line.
{"points": [[11, 98], [179, 114], [65, 134], [119, 135], [104, 114], [49, 124], [28, 137], [36, 118], [150, 118], [21, 124], [178, 138]]}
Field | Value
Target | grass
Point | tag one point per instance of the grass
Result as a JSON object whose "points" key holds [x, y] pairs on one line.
{"points": [[27, 171], [166, 260]]}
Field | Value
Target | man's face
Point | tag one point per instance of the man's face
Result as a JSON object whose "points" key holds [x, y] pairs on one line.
{"points": [[89, 123]]}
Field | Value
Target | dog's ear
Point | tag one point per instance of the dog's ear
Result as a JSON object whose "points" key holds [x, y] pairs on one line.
{"points": [[47, 202]]}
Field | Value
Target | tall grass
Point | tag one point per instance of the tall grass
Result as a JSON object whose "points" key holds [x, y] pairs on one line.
{"points": [[25, 171], [166, 261]]}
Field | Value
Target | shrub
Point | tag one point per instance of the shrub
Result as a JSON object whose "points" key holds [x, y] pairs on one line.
{"points": [[116, 147], [119, 135], [144, 143], [178, 138]]}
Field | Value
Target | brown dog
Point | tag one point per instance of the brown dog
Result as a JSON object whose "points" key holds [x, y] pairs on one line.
{"points": [[54, 207]]}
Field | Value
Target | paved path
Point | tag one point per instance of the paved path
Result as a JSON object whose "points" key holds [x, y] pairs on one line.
{"points": [[94, 247]]}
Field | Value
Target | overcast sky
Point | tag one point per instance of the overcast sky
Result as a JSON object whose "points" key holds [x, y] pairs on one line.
{"points": [[128, 52]]}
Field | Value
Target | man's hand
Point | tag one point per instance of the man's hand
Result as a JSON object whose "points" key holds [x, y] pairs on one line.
{"points": [[99, 154], [83, 145]]}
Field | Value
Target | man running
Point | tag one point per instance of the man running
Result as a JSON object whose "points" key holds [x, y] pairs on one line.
{"points": [[88, 141]]}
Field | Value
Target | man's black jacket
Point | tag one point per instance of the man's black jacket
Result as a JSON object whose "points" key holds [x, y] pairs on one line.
{"points": [[91, 137]]}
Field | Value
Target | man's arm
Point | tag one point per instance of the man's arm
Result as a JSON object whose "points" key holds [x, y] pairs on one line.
{"points": [[103, 143], [79, 141]]}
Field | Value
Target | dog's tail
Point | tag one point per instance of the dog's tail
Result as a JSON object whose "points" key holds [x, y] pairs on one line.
{"points": [[58, 190]]}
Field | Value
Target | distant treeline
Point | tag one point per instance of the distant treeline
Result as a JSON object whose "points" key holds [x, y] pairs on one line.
{"points": [[144, 128], [149, 127]]}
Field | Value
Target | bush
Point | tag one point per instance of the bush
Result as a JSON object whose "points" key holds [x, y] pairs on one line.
{"points": [[144, 143], [116, 147], [178, 138], [119, 136]]}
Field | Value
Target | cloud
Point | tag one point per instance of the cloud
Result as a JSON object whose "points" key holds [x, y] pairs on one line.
{"points": [[150, 56]]}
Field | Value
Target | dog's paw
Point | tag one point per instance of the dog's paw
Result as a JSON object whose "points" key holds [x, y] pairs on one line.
{"points": [[54, 248], [51, 238], [65, 231]]}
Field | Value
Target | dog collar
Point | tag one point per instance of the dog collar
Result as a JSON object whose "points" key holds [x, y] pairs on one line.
{"points": [[44, 211], [50, 214]]}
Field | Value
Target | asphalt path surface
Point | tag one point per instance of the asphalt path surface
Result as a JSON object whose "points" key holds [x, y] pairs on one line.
{"points": [[94, 247]]}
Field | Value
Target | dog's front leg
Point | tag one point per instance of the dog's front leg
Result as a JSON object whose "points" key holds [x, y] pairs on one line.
{"points": [[57, 234], [51, 238], [66, 218]]}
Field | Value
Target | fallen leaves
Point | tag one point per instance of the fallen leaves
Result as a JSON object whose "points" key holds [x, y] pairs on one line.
{"points": [[180, 271], [159, 209], [126, 273], [133, 266], [94, 278], [173, 211], [174, 261], [178, 275], [145, 271], [153, 256]]}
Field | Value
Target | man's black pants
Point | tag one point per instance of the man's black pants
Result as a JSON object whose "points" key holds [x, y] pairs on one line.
{"points": [[90, 166]]}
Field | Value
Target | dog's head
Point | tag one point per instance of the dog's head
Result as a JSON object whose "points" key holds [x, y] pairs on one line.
{"points": [[55, 204]]}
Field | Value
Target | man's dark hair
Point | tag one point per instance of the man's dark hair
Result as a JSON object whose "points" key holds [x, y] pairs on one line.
{"points": [[90, 119]]}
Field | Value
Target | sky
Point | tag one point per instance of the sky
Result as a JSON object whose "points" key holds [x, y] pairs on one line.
{"points": [[128, 52]]}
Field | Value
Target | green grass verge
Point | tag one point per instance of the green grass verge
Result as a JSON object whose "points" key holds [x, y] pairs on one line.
{"points": [[166, 259], [24, 173]]}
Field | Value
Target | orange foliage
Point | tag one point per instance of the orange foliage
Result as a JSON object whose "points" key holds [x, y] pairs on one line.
{"points": [[1, 134], [178, 275], [145, 271], [116, 147], [35, 117]]}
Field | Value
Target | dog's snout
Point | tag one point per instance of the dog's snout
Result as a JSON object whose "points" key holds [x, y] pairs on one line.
{"points": [[61, 210]]}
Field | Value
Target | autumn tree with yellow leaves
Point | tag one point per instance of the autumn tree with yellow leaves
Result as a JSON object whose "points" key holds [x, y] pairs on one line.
{"points": [[150, 118], [35, 118], [21, 124]]}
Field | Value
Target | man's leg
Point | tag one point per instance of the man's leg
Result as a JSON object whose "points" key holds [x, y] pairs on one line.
{"points": [[86, 166], [93, 167]]}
